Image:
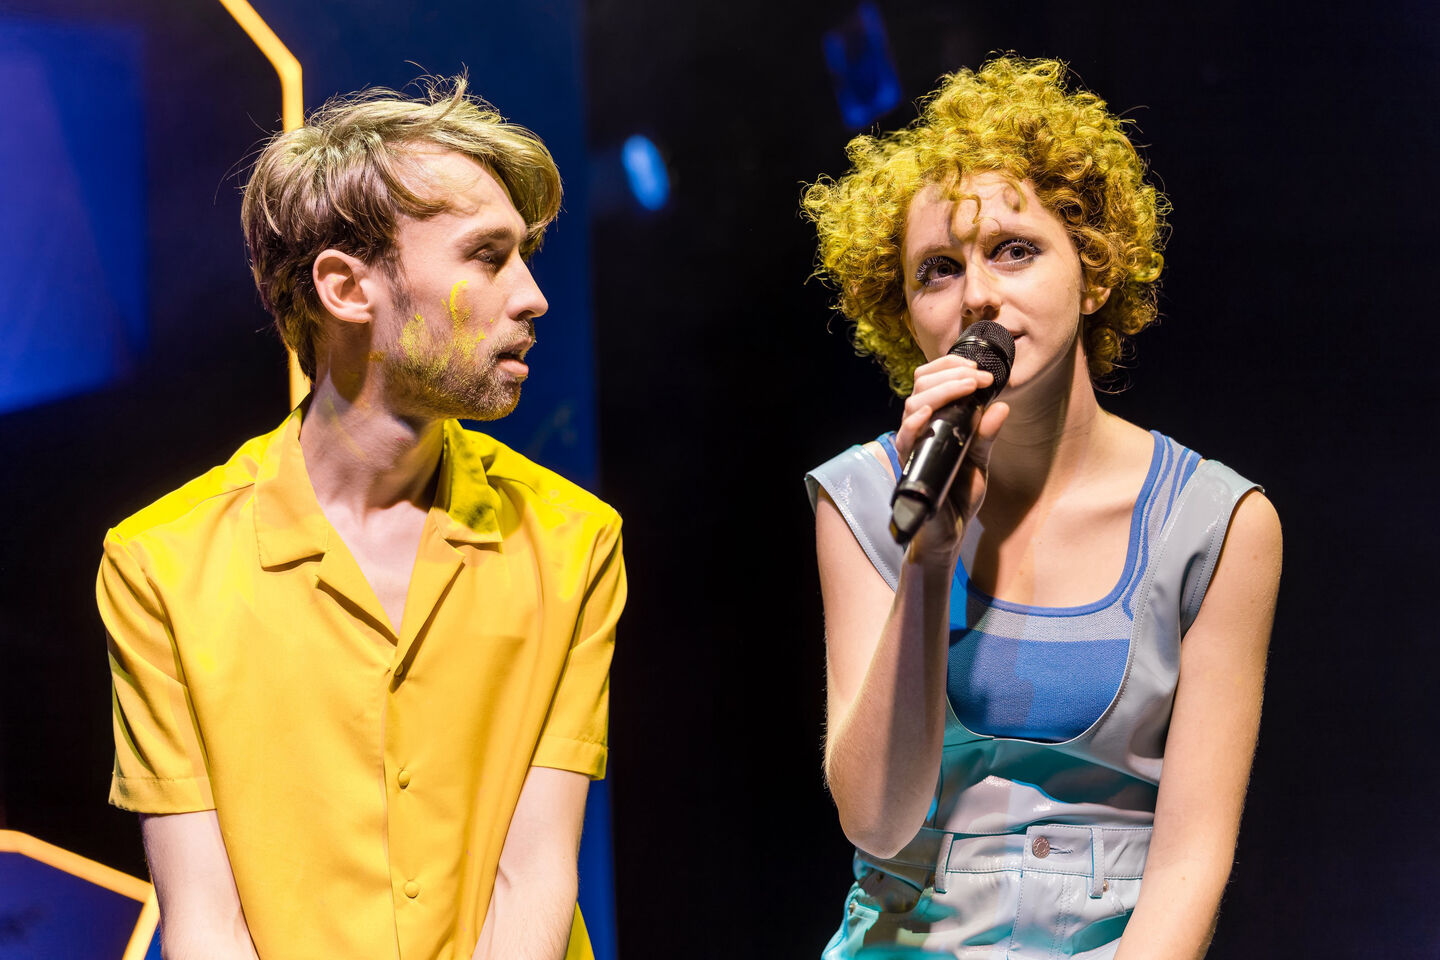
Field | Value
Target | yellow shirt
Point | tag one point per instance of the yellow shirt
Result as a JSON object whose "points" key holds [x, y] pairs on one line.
{"points": [[364, 781]]}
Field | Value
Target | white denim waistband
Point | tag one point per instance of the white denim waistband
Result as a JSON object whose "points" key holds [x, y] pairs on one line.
{"points": [[1100, 853]]}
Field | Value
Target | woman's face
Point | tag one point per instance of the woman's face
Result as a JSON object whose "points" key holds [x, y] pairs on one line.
{"points": [[1006, 259]]}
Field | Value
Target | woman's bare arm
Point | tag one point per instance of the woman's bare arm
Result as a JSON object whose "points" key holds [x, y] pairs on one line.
{"points": [[1210, 745], [885, 686], [886, 652]]}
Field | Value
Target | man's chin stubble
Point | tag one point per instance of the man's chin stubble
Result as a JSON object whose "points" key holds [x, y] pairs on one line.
{"points": [[479, 399]]}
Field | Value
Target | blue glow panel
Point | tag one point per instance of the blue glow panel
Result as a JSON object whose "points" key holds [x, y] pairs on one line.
{"points": [[46, 912], [861, 68], [645, 170], [72, 192]]}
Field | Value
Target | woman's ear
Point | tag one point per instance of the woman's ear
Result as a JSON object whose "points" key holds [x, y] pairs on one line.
{"points": [[1092, 299], [339, 283]]}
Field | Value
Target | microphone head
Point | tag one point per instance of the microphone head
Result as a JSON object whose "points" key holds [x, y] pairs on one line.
{"points": [[991, 347]]}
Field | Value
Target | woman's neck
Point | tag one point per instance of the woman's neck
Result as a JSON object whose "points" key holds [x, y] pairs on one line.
{"points": [[1055, 432]]}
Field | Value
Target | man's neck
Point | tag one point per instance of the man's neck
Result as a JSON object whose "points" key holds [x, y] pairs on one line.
{"points": [[362, 457]]}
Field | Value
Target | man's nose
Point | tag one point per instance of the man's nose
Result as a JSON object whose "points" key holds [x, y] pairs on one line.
{"points": [[526, 300]]}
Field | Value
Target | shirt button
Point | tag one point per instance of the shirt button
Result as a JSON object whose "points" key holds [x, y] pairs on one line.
{"points": [[412, 889], [1041, 847], [403, 778], [400, 671]]}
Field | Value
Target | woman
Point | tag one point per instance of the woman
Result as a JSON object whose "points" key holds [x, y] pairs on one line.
{"points": [[1003, 693]]}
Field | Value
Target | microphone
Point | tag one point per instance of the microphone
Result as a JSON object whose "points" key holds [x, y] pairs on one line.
{"points": [[939, 451]]}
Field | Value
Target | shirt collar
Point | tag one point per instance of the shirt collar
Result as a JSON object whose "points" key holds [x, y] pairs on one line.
{"points": [[469, 506], [290, 526]]}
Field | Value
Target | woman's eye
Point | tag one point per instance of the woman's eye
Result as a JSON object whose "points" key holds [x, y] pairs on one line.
{"points": [[936, 268], [1014, 251]]}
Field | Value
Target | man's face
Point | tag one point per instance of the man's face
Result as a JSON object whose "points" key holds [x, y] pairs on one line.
{"points": [[452, 340]]}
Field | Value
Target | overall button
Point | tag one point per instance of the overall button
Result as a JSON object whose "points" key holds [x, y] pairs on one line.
{"points": [[1041, 847], [403, 778], [412, 889]]}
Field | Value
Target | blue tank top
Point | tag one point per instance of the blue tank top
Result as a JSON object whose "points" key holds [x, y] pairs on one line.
{"points": [[1048, 673]]}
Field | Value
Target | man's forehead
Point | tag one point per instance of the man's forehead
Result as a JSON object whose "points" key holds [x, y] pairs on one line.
{"points": [[465, 185]]}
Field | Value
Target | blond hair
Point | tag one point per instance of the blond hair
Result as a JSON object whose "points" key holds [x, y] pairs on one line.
{"points": [[1016, 117], [340, 182]]}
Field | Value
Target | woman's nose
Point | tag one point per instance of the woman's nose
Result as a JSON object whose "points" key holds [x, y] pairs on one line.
{"points": [[982, 296]]}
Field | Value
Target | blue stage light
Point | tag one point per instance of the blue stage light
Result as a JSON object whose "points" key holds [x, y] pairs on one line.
{"points": [[858, 54], [645, 171], [72, 251]]}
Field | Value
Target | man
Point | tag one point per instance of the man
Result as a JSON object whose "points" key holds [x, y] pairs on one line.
{"points": [[361, 669]]}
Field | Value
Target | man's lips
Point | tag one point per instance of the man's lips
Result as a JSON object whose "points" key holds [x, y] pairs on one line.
{"points": [[515, 350]]}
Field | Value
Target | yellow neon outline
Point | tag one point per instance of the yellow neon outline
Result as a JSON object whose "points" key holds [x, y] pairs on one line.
{"points": [[144, 931], [13, 841], [292, 115], [280, 57]]}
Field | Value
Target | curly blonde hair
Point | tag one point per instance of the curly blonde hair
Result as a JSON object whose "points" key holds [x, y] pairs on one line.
{"points": [[1014, 116], [344, 179]]}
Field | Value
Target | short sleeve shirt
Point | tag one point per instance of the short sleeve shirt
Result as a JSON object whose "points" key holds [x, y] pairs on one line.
{"points": [[363, 779]]}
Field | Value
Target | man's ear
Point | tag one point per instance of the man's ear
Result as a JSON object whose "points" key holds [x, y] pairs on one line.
{"points": [[1093, 299], [343, 284]]}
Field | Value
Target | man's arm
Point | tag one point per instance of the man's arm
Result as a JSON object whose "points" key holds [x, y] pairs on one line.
{"points": [[533, 902], [200, 915]]}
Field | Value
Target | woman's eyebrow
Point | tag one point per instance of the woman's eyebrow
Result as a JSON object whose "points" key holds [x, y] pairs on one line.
{"points": [[920, 254]]}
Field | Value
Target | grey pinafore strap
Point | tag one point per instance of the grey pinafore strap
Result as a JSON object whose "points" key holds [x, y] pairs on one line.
{"points": [[861, 487]]}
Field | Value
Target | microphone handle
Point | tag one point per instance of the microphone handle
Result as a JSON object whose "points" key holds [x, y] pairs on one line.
{"points": [[933, 466]]}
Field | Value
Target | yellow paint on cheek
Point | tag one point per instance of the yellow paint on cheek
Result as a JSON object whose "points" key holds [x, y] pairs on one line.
{"points": [[459, 312], [375, 356], [463, 344], [412, 344], [411, 336]]}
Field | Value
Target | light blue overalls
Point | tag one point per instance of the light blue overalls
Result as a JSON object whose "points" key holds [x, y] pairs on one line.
{"points": [[1035, 849]]}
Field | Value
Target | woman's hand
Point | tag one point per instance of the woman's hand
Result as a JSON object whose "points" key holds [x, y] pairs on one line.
{"points": [[937, 384]]}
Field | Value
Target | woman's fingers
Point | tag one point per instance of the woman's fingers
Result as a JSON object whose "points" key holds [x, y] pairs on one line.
{"points": [[938, 392], [968, 491], [948, 369], [937, 384], [948, 361], [942, 532], [910, 427], [985, 433]]}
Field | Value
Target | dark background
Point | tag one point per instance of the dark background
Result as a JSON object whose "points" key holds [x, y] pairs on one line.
{"points": [[1298, 144]]}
